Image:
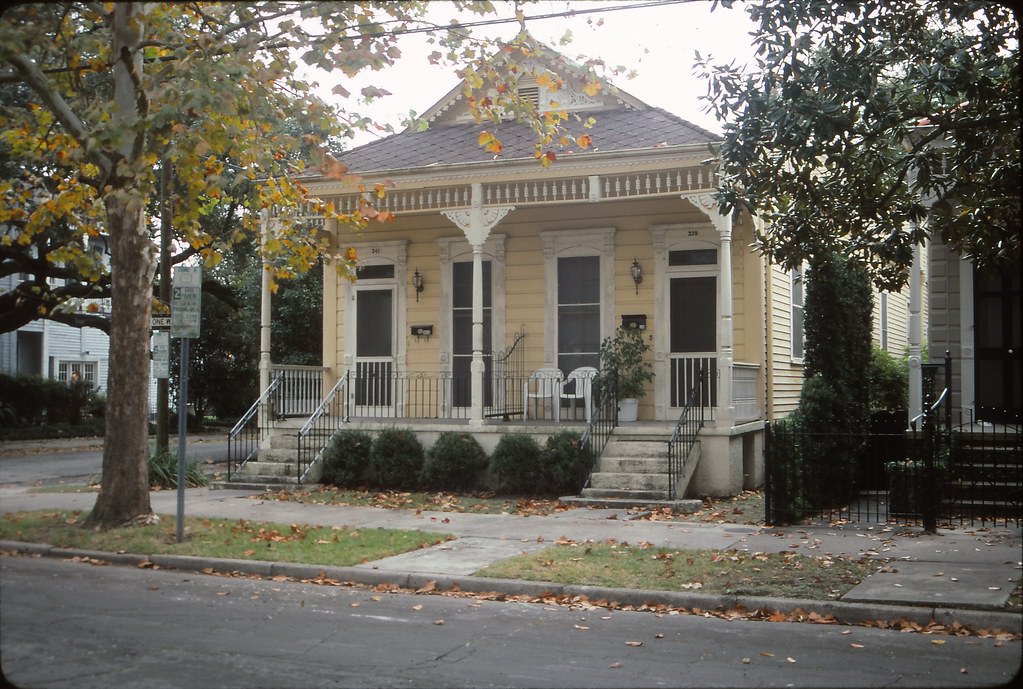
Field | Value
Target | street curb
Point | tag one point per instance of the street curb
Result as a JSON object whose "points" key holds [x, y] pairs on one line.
{"points": [[843, 612]]}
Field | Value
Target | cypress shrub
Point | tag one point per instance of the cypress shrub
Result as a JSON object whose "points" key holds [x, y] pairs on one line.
{"points": [[346, 458], [515, 464], [396, 459], [454, 462]]}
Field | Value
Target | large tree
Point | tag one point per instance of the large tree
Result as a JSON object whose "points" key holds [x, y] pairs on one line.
{"points": [[115, 90], [858, 119]]}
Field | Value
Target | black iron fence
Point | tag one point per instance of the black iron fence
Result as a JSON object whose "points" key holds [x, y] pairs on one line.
{"points": [[690, 421], [970, 473]]}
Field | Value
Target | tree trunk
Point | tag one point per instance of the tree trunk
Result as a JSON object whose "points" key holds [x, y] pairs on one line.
{"points": [[124, 490]]}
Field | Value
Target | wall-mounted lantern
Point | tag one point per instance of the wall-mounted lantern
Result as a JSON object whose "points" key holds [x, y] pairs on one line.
{"points": [[637, 273], [417, 283]]}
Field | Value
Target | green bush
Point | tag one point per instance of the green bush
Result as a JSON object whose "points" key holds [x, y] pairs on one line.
{"points": [[454, 462], [396, 459], [163, 471], [785, 473], [515, 464], [889, 381], [565, 463], [346, 458]]}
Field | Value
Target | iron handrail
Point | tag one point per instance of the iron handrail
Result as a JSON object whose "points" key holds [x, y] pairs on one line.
{"points": [[603, 421], [937, 403], [252, 439], [313, 427], [684, 436]]}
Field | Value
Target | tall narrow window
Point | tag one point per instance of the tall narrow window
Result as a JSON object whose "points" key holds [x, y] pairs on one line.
{"points": [[578, 312], [461, 332], [798, 297], [884, 321]]}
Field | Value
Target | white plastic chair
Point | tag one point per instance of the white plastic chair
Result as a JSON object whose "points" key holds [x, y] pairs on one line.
{"points": [[546, 383], [582, 390]]}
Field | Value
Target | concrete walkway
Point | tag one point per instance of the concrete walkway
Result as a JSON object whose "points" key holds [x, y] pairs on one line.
{"points": [[964, 576]]}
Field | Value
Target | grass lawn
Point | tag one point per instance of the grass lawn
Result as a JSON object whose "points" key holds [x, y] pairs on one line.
{"points": [[709, 571], [484, 503], [221, 538]]}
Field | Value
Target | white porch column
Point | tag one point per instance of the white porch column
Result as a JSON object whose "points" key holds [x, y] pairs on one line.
{"points": [[915, 335], [726, 349], [476, 223], [264, 317]]}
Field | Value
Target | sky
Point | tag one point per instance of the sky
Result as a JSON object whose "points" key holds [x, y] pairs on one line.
{"points": [[658, 43]]}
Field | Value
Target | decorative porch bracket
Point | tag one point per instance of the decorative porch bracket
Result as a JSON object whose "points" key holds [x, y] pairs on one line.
{"points": [[705, 202], [476, 222]]}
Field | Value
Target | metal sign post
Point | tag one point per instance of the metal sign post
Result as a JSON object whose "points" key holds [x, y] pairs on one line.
{"points": [[186, 316]]}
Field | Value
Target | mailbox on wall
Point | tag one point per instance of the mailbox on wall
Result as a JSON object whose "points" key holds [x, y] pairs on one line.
{"points": [[422, 330], [636, 320]]}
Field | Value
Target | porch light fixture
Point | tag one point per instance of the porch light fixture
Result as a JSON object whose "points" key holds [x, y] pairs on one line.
{"points": [[637, 273], [417, 282]]}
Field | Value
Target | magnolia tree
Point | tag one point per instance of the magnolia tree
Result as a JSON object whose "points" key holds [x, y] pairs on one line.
{"points": [[859, 120], [112, 92]]}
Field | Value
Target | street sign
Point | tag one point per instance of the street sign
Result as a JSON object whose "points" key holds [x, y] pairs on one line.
{"points": [[161, 353], [186, 301], [161, 321]]}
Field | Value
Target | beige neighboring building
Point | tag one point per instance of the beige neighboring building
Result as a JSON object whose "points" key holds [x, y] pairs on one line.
{"points": [[496, 267]]}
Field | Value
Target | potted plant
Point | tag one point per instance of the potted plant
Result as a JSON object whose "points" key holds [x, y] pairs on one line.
{"points": [[623, 361]]}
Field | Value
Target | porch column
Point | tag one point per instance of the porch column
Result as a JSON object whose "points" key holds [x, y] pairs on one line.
{"points": [[476, 223], [264, 316], [915, 335], [726, 350]]}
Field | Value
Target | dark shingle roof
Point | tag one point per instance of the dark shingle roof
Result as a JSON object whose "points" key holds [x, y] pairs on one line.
{"points": [[447, 144]]}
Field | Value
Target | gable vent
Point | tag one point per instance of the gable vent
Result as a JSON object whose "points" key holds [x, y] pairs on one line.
{"points": [[531, 94]]}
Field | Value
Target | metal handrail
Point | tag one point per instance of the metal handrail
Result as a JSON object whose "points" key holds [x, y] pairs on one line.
{"points": [[321, 433], [603, 421], [251, 441], [937, 403], [684, 437]]}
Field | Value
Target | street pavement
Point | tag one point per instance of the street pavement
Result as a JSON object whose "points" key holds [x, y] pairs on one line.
{"points": [[963, 575]]}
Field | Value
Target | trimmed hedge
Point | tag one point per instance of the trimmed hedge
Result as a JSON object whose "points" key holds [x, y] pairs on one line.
{"points": [[565, 463], [396, 459], [454, 462], [346, 458], [515, 464]]}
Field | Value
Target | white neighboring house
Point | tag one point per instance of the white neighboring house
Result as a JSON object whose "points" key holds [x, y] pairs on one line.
{"points": [[54, 350]]}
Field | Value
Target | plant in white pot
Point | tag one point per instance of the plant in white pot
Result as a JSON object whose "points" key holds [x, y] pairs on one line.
{"points": [[623, 361]]}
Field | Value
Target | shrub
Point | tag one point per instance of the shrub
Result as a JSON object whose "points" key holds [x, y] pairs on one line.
{"points": [[565, 463], [515, 464], [454, 462], [346, 458], [396, 459], [163, 471], [889, 381]]}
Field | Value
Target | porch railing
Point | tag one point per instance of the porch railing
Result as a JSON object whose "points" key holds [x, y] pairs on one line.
{"points": [[684, 370], [744, 392], [301, 389], [246, 436], [329, 416], [690, 421]]}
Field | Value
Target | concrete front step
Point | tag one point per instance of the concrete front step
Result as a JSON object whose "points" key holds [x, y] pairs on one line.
{"points": [[260, 483], [278, 455], [636, 447], [614, 464], [622, 494], [626, 481], [686, 506], [261, 468]]}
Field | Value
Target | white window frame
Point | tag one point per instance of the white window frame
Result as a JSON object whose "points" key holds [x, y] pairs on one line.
{"points": [[87, 370], [797, 278], [598, 241]]}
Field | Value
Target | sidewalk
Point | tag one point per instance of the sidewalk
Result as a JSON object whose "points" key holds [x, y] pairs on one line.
{"points": [[963, 576]]}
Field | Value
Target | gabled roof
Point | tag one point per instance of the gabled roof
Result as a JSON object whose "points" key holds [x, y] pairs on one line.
{"points": [[621, 122], [614, 130]]}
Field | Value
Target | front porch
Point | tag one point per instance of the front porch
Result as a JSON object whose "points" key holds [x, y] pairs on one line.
{"points": [[280, 439]]}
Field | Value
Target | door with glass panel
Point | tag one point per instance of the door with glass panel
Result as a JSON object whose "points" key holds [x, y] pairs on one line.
{"points": [[692, 323], [374, 348]]}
